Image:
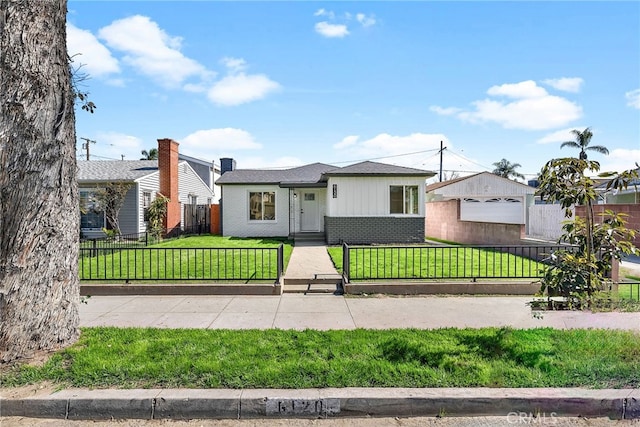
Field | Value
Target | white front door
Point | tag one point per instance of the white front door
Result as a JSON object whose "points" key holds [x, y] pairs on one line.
{"points": [[309, 215]]}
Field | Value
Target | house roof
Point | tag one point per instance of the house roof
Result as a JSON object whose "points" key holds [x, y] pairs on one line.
{"points": [[369, 168], [314, 174], [481, 177], [115, 170]]}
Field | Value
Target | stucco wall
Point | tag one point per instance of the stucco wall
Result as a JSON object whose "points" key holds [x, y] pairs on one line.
{"points": [[443, 222]]}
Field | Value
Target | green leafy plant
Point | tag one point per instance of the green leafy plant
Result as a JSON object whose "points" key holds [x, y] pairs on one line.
{"points": [[580, 270], [156, 214]]}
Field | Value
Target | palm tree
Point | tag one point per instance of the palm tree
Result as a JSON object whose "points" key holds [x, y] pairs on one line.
{"points": [[582, 143], [149, 155], [506, 169]]}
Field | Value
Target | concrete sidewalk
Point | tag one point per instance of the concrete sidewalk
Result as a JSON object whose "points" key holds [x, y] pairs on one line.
{"points": [[323, 311]]}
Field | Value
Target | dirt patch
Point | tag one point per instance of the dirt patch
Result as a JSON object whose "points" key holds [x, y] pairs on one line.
{"points": [[40, 389]]}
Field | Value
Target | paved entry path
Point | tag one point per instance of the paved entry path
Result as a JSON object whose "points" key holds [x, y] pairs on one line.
{"points": [[307, 259], [327, 311]]}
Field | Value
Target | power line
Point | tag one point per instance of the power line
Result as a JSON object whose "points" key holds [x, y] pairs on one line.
{"points": [[365, 160]]}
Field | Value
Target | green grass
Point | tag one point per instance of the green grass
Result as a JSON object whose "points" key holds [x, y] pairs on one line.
{"points": [[490, 357], [629, 291], [188, 258], [434, 262]]}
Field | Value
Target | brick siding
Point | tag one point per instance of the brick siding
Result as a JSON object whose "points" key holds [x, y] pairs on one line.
{"points": [[370, 230]]}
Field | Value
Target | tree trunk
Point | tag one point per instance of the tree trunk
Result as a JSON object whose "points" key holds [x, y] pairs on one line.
{"points": [[39, 210]]}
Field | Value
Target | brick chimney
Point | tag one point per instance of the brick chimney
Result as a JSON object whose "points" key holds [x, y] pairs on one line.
{"points": [[168, 168]]}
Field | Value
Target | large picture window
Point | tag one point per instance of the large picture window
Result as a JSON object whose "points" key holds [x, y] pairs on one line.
{"points": [[262, 206], [90, 217], [403, 199]]}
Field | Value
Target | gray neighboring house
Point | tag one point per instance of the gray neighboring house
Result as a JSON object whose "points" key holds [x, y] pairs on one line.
{"points": [[364, 203], [144, 175]]}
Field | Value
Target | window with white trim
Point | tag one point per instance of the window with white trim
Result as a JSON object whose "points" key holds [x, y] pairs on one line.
{"points": [[262, 206], [403, 199]]}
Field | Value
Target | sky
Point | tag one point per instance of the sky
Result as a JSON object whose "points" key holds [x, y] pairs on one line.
{"points": [[277, 84]]}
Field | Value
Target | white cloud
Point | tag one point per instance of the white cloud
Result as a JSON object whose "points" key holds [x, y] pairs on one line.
{"points": [[526, 89], [620, 159], [532, 108], [241, 88], [114, 145], [445, 111], [560, 136], [633, 98], [385, 147], [366, 21], [87, 51], [235, 65], [347, 141], [324, 12], [567, 84], [151, 51], [331, 30], [218, 140]]}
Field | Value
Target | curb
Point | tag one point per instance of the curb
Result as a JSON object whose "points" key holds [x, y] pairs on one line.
{"points": [[78, 404]]}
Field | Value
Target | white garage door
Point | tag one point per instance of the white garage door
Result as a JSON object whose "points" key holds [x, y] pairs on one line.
{"points": [[505, 210]]}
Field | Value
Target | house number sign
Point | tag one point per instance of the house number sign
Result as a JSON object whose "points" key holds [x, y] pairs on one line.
{"points": [[303, 407]]}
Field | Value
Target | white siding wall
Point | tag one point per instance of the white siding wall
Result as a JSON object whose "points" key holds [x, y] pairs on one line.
{"points": [[484, 185], [235, 212], [545, 221], [367, 196], [190, 183], [148, 184]]}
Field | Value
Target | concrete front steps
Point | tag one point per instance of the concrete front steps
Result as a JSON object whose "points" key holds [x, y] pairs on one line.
{"points": [[320, 283]]}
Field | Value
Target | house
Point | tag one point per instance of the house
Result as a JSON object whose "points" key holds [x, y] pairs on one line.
{"points": [[364, 203], [482, 208], [169, 175]]}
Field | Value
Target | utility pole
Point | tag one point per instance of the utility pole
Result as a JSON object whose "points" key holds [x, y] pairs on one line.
{"points": [[441, 151], [85, 146]]}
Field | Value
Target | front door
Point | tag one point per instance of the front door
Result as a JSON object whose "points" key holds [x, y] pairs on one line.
{"points": [[309, 215]]}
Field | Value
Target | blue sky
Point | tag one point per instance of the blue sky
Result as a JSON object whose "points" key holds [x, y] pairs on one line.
{"points": [[279, 84]]}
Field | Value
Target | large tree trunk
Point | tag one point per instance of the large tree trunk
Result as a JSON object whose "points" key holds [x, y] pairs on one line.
{"points": [[39, 210]]}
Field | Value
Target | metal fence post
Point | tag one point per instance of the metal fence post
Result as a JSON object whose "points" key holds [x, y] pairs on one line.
{"points": [[280, 252], [345, 262]]}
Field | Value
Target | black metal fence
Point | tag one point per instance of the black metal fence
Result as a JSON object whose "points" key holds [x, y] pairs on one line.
{"points": [[445, 262], [179, 264], [136, 240]]}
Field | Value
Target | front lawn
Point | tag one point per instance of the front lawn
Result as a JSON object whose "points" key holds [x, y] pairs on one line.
{"points": [[435, 262], [204, 257], [490, 357]]}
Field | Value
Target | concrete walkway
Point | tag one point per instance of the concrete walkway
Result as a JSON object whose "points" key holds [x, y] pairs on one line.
{"points": [[326, 311]]}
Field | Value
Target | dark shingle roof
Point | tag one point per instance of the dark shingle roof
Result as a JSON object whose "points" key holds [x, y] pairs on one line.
{"points": [[375, 168], [314, 173], [307, 174], [115, 170]]}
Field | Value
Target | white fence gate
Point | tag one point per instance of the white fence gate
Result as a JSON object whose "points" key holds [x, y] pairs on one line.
{"points": [[545, 221]]}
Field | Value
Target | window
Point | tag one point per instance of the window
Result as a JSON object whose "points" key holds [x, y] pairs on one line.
{"points": [[262, 206], [335, 191], [90, 217], [146, 199], [193, 199], [403, 199]]}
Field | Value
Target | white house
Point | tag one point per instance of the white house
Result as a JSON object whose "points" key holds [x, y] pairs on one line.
{"points": [[363, 203]]}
